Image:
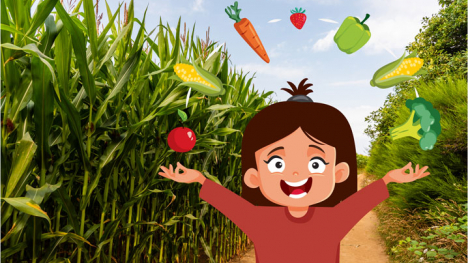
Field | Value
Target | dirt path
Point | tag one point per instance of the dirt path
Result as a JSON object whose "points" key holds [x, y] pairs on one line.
{"points": [[362, 244]]}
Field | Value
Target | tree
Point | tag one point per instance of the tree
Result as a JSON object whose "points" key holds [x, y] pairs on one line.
{"points": [[442, 43]]}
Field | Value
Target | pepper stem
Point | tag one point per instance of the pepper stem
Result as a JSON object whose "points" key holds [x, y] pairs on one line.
{"points": [[367, 17]]}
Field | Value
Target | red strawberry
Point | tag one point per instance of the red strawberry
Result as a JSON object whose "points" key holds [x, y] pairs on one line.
{"points": [[298, 18]]}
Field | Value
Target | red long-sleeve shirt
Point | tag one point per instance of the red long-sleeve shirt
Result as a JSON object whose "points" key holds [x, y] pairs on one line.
{"points": [[280, 237]]}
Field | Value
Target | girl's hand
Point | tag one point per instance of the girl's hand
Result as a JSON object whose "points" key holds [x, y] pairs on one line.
{"points": [[186, 176], [399, 175]]}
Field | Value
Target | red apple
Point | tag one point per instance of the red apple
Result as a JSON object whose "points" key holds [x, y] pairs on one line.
{"points": [[181, 139]]}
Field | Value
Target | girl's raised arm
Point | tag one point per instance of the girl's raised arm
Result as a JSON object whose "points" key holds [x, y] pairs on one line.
{"points": [[236, 208], [355, 207]]}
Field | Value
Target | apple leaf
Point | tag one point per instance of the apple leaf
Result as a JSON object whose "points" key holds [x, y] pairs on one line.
{"points": [[182, 115]]}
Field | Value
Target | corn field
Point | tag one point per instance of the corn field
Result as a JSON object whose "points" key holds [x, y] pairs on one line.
{"points": [[86, 110]]}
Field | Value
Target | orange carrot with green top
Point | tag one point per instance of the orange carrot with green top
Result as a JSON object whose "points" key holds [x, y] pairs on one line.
{"points": [[245, 28]]}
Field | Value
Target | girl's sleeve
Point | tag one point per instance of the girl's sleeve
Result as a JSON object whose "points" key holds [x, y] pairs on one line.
{"points": [[352, 209], [236, 208]]}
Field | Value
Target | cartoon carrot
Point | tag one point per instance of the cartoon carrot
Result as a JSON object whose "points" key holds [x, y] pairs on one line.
{"points": [[247, 31]]}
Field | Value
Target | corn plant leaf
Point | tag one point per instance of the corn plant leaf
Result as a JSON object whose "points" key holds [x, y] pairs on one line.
{"points": [[212, 177], [43, 97], [223, 131], [112, 48], [79, 46], [48, 38], [72, 236], [59, 240], [112, 150], [61, 196], [17, 228], [137, 45], [176, 47], [162, 43], [34, 50], [110, 18], [207, 249], [10, 29], [220, 107], [22, 156], [124, 77], [22, 96], [37, 194], [28, 206], [8, 252], [43, 10], [74, 123], [63, 58], [90, 19]]}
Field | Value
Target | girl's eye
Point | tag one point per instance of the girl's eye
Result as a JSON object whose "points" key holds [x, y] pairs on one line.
{"points": [[317, 165], [275, 164]]}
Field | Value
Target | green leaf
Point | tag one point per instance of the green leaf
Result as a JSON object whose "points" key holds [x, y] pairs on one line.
{"points": [[79, 46], [220, 107], [90, 20], [37, 194], [124, 77], [43, 97], [431, 254], [8, 252], [61, 196], [223, 131], [34, 50], [62, 59], [28, 206], [22, 156], [212, 177], [182, 115], [74, 123], [43, 10]]}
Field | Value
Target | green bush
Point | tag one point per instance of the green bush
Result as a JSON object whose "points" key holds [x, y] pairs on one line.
{"points": [[447, 161], [361, 161]]}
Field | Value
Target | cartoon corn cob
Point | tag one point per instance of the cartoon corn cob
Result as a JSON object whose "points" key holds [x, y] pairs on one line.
{"points": [[400, 70], [199, 79]]}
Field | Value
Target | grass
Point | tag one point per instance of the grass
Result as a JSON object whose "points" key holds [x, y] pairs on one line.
{"points": [[400, 229]]}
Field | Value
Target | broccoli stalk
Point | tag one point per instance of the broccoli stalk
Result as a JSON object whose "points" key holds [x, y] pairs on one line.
{"points": [[407, 129], [423, 124]]}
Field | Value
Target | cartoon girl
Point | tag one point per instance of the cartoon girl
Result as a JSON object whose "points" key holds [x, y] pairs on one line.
{"points": [[299, 186]]}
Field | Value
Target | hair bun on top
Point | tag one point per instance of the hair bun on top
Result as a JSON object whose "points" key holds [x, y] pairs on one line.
{"points": [[299, 94]]}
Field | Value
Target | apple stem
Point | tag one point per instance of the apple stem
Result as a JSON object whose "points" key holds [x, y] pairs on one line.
{"points": [[183, 126]]}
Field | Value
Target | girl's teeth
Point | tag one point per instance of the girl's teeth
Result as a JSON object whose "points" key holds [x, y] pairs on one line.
{"points": [[298, 196], [300, 183]]}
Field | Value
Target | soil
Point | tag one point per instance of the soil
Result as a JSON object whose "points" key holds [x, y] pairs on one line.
{"points": [[362, 244]]}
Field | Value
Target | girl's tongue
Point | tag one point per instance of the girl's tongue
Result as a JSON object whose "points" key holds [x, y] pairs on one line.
{"points": [[296, 190]]}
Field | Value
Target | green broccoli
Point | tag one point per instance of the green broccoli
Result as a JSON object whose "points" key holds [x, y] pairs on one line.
{"points": [[423, 124]]}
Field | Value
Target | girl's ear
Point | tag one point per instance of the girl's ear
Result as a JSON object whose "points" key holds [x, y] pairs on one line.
{"points": [[341, 172], [251, 178]]}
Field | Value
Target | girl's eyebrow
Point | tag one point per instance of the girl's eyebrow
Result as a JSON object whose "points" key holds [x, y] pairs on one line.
{"points": [[276, 149], [315, 146]]}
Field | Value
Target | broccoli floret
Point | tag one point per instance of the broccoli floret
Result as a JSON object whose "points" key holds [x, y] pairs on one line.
{"points": [[423, 124]]}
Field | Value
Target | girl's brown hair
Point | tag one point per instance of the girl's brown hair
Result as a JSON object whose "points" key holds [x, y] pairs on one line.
{"points": [[318, 120]]}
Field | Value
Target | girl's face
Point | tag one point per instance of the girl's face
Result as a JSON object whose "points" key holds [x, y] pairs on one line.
{"points": [[296, 171]]}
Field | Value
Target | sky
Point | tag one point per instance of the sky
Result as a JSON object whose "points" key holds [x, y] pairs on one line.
{"points": [[339, 79]]}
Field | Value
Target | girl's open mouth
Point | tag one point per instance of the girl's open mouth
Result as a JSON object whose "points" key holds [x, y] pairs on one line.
{"points": [[298, 189]]}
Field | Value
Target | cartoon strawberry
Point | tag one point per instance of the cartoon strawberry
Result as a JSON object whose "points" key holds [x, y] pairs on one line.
{"points": [[298, 18]]}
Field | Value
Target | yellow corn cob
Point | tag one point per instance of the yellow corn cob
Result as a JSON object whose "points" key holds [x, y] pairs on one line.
{"points": [[188, 74], [408, 67]]}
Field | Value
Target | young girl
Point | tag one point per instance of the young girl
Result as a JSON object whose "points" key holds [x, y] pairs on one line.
{"points": [[299, 191]]}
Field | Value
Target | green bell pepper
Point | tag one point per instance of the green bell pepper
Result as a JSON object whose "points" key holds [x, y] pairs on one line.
{"points": [[352, 34]]}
